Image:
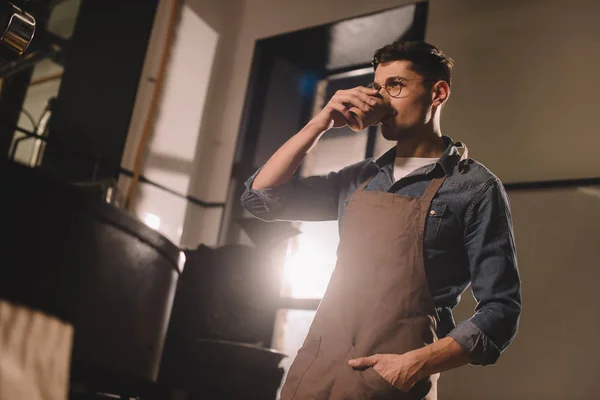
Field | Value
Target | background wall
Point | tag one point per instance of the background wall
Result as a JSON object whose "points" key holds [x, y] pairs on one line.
{"points": [[556, 354], [524, 78], [530, 56], [191, 103], [523, 100]]}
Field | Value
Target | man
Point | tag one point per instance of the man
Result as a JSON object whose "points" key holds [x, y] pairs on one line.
{"points": [[417, 226]]}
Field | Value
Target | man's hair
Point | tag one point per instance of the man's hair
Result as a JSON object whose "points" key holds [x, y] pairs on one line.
{"points": [[426, 59]]}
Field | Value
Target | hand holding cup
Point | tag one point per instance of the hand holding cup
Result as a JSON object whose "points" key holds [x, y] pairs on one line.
{"points": [[362, 119]]}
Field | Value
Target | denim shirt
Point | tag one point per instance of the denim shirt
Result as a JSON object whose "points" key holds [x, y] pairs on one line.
{"points": [[467, 240]]}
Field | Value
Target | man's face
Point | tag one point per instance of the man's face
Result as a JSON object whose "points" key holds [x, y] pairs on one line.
{"points": [[412, 109]]}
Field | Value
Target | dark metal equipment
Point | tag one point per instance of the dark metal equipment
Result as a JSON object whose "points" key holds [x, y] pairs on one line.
{"points": [[221, 326], [221, 370], [69, 254]]}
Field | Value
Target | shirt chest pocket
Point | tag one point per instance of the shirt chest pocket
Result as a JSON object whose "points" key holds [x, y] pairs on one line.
{"points": [[434, 221]]}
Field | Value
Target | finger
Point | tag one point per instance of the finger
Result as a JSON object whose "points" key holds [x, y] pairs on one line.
{"points": [[342, 109], [368, 91], [363, 361], [355, 98], [365, 94], [351, 100]]}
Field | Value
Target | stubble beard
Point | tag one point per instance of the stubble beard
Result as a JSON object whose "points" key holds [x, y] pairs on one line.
{"points": [[394, 133]]}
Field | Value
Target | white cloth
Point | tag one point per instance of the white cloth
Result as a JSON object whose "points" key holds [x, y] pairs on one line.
{"points": [[405, 165], [35, 354]]}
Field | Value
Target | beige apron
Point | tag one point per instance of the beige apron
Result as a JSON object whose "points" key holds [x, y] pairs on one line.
{"points": [[377, 302]]}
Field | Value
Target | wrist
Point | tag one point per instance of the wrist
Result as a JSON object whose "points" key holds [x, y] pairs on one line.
{"points": [[439, 356], [320, 124], [421, 360]]}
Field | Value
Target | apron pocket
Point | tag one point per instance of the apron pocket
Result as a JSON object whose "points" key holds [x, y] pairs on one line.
{"points": [[379, 388], [418, 392], [374, 386], [304, 359]]}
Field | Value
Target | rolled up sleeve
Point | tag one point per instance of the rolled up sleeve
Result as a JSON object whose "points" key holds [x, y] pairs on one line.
{"points": [[313, 198], [495, 281]]}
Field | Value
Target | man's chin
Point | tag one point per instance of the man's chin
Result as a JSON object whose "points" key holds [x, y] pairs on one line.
{"points": [[388, 133]]}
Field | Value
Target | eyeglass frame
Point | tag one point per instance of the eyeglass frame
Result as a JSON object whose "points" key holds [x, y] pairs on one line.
{"points": [[372, 85]]}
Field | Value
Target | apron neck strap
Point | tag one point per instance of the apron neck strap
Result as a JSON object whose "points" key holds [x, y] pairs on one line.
{"points": [[436, 183], [364, 184], [432, 188]]}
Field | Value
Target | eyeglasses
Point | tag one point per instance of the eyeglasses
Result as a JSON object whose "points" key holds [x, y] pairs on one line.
{"points": [[394, 86]]}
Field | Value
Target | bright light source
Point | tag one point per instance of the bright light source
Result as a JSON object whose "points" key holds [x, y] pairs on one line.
{"points": [[309, 265], [153, 221]]}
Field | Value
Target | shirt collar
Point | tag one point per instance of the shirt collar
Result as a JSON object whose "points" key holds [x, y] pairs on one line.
{"points": [[447, 161]]}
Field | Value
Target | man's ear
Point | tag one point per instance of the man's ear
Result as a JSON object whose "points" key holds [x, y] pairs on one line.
{"points": [[440, 93]]}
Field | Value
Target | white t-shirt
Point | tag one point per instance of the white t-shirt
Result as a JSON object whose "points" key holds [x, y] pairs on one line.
{"points": [[405, 165]]}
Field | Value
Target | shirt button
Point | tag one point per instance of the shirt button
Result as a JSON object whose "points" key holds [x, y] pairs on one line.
{"points": [[432, 212]]}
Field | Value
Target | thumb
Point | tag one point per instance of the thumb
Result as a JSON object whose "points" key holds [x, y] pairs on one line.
{"points": [[363, 361]]}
